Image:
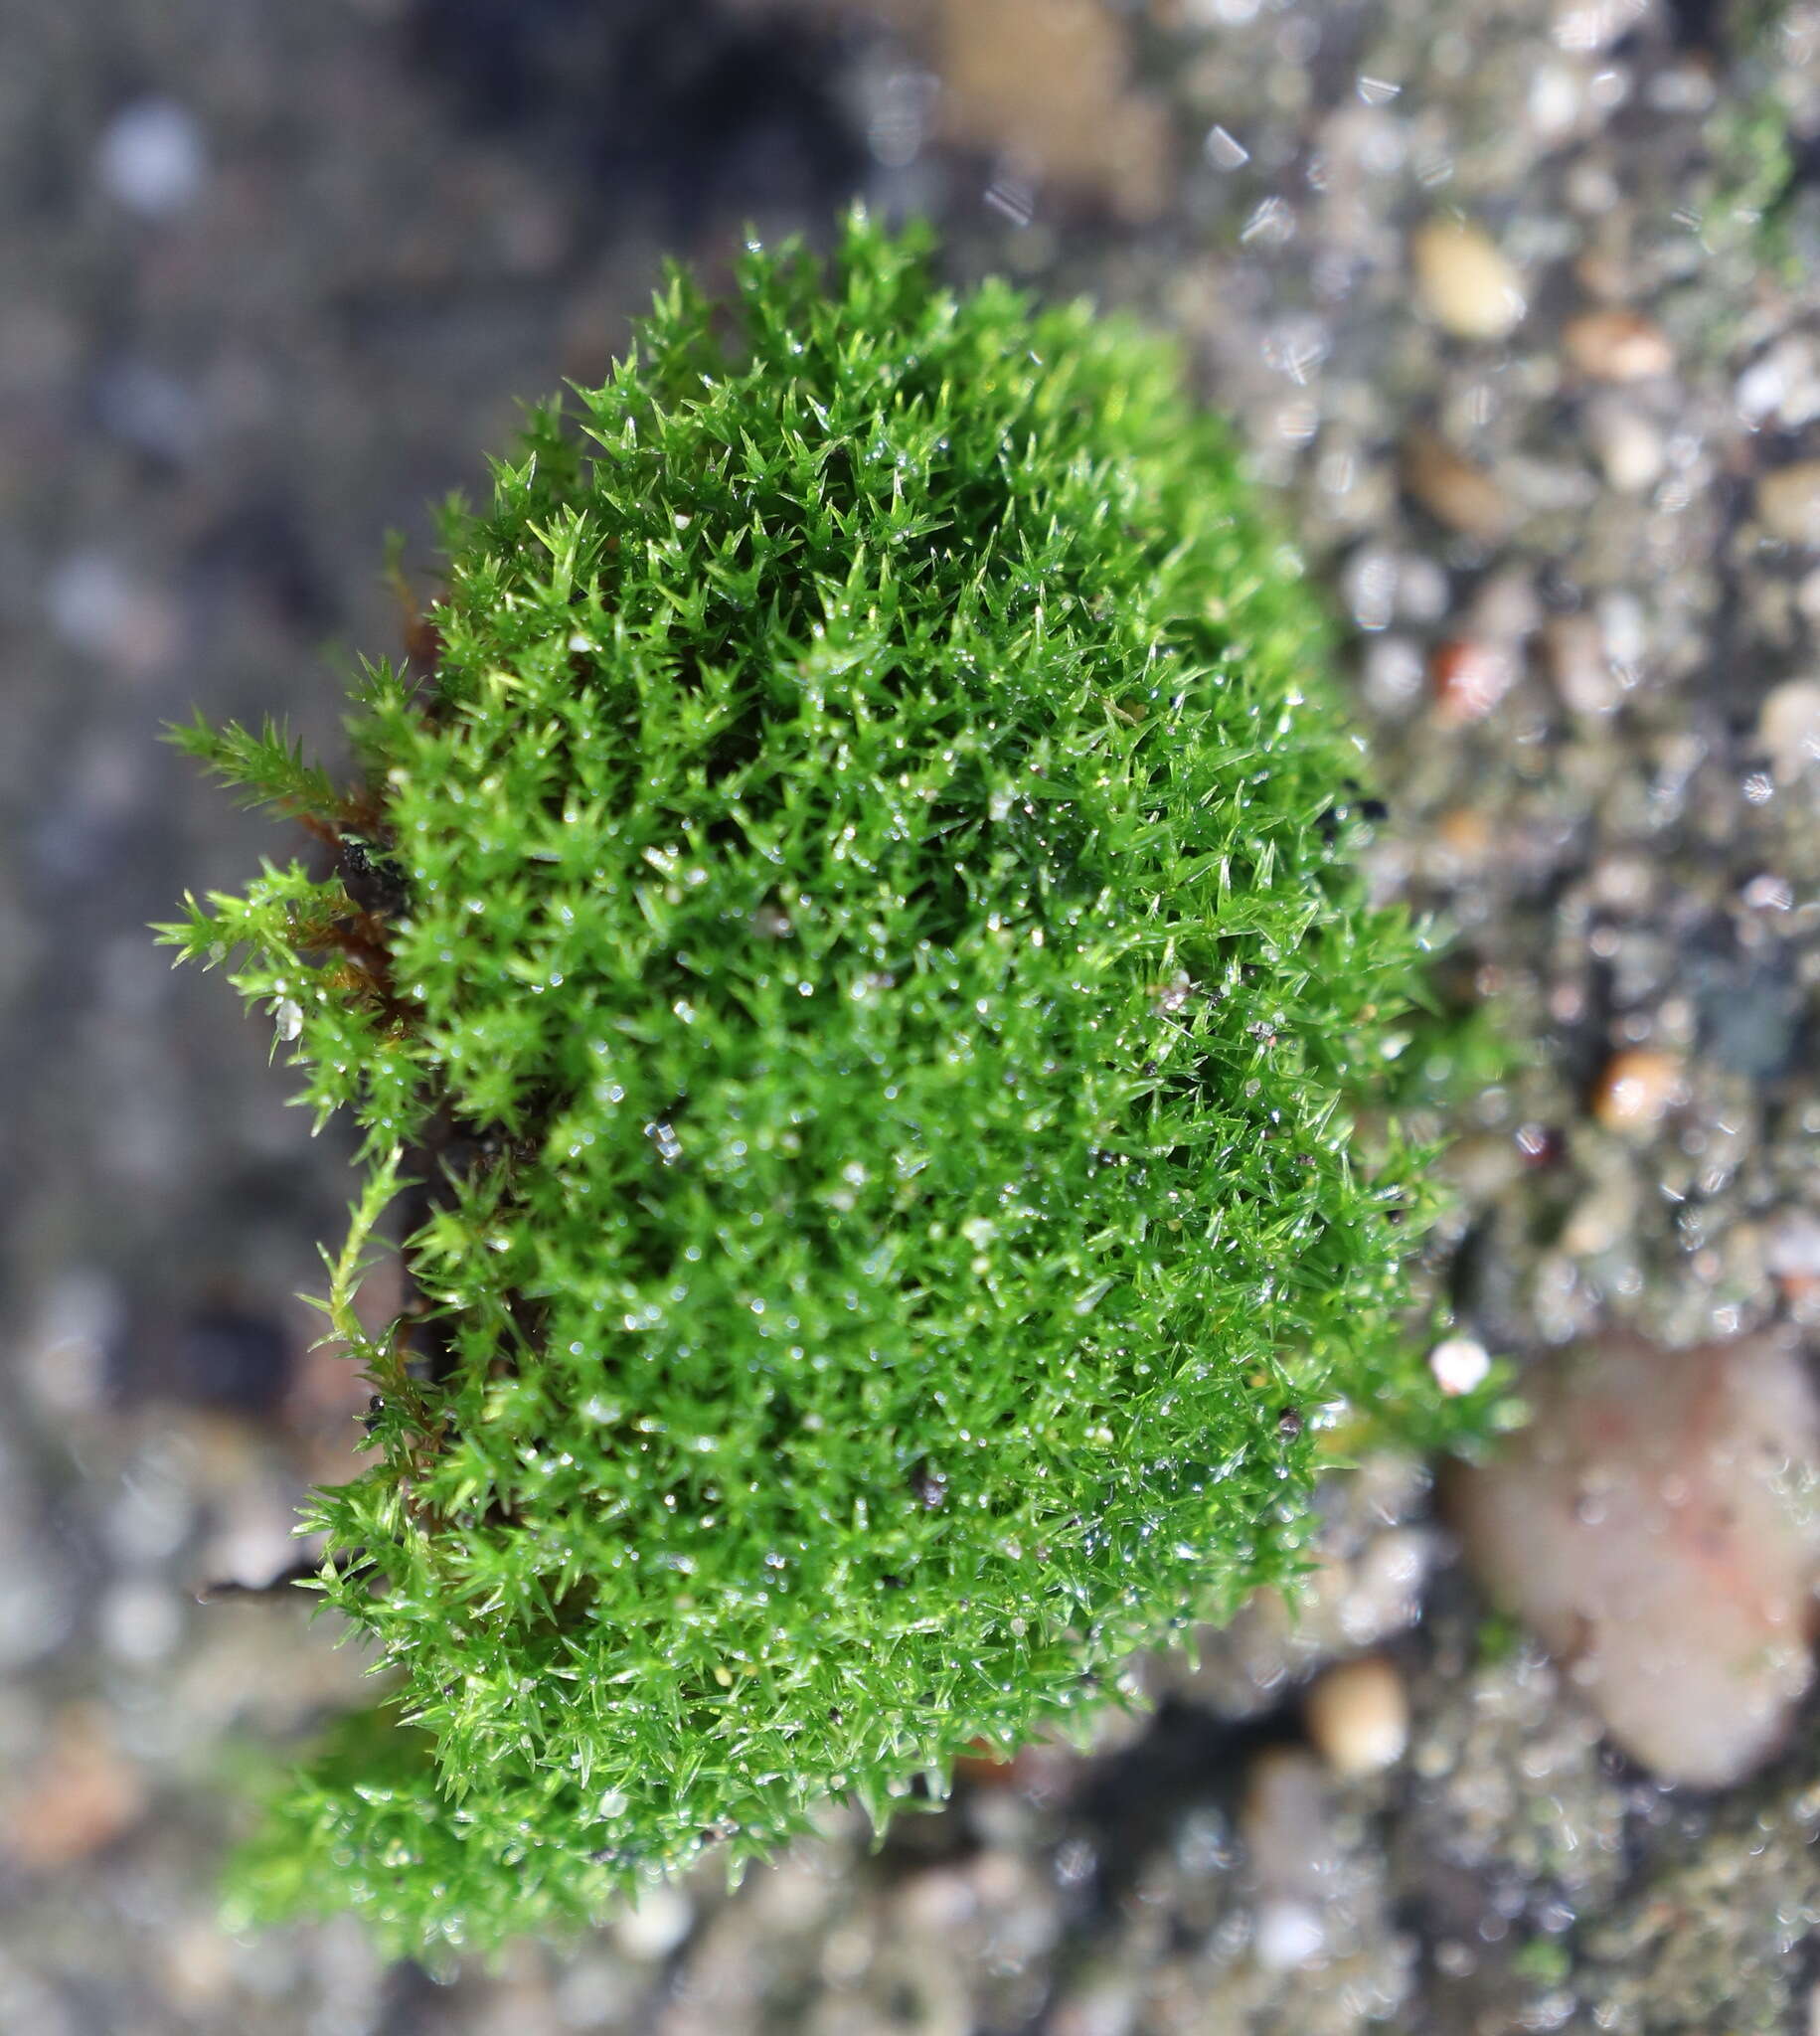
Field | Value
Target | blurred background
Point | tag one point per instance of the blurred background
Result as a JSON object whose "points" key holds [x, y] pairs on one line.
{"points": [[1514, 304]]}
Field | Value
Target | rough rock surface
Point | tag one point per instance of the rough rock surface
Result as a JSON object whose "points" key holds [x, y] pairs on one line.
{"points": [[1658, 1525]]}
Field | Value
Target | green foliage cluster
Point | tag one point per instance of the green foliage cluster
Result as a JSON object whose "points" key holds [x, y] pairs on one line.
{"points": [[854, 943], [1756, 188]]}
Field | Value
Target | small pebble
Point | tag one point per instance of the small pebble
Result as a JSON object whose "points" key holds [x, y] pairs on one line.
{"points": [[1469, 678], [152, 159], [1782, 387], [1463, 282], [138, 1622], [146, 408], [1482, 1165], [1618, 346], [1768, 893], [1464, 839], [1625, 623], [1574, 648], [197, 1959], [1589, 187], [1602, 1218], [1792, 1247], [1788, 504], [1650, 1525], [1423, 591], [82, 1798], [1557, 100], [1460, 1365], [1505, 607], [1382, 1589], [1788, 728], [1357, 1716], [1758, 390], [1637, 1090], [95, 606], [1627, 446], [1625, 883], [1586, 27], [1453, 489], [1392, 674], [1284, 1820], [1288, 1935], [655, 1925], [1368, 587], [1223, 151]]}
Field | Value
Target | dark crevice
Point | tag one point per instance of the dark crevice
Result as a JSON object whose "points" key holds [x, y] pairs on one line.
{"points": [[686, 105], [1700, 25]]}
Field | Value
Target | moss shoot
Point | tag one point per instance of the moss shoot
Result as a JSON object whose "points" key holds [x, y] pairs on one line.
{"points": [[847, 971]]}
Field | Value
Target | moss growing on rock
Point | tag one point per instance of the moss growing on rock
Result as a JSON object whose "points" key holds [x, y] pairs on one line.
{"points": [[850, 968]]}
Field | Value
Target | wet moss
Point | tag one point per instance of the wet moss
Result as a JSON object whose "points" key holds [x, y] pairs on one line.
{"points": [[851, 965]]}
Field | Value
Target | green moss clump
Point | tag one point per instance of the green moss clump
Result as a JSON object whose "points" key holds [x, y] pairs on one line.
{"points": [[855, 943]]}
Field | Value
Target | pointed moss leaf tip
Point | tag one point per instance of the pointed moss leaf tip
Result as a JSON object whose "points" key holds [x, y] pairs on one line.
{"points": [[854, 944]]}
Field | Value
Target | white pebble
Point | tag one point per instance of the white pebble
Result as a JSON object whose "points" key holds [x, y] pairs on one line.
{"points": [[152, 159], [1782, 387], [597, 1994], [36, 1607], [1792, 1250], [95, 606], [1625, 627], [1506, 608], [1760, 389], [139, 1622], [1768, 893], [1628, 445], [1460, 1365], [1288, 1934], [653, 1928], [1393, 675], [63, 1355], [1367, 585], [89, 600], [1788, 728], [1579, 664], [1788, 504], [1556, 99], [1423, 591], [1588, 27], [1385, 1592]]}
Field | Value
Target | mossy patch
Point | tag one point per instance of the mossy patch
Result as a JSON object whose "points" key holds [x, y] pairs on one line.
{"points": [[855, 943]]}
